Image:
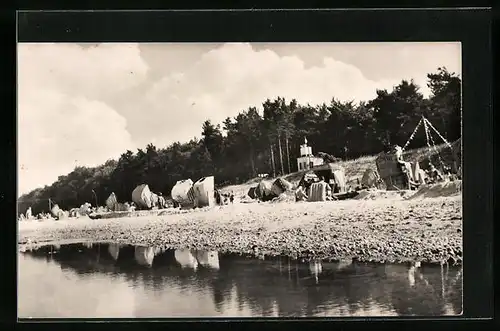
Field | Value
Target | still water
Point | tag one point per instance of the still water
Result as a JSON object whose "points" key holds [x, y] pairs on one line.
{"points": [[103, 280]]}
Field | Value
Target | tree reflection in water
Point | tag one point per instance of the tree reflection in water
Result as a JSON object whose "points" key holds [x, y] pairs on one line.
{"points": [[271, 287]]}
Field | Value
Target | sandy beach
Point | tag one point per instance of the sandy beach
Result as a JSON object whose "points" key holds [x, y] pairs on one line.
{"points": [[378, 227]]}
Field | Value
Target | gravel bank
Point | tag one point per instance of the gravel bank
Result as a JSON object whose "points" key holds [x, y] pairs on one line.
{"points": [[381, 230]]}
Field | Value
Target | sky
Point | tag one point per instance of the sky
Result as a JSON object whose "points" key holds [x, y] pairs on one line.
{"points": [[82, 104]]}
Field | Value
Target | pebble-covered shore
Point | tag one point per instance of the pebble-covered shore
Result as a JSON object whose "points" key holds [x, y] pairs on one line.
{"points": [[384, 230]]}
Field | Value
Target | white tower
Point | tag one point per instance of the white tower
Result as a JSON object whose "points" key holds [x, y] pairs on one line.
{"points": [[305, 150], [307, 160]]}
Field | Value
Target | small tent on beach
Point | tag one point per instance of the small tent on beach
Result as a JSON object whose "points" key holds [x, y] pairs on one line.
{"points": [[111, 201], [251, 193], [58, 213], [55, 210], [281, 185], [141, 196], [264, 190], [203, 190], [183, 192]]}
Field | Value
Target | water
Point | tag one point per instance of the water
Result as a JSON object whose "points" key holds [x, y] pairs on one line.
{"points": [[106, 280]]}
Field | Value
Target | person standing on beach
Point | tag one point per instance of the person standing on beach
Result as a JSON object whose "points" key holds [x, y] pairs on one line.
{"points": [[231, 197], [404, 166]]}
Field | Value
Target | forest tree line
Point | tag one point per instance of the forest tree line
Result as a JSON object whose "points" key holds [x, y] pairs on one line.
{"points": [[267, 141]]}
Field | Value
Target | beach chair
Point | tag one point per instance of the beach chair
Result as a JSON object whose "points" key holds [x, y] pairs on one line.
{"points": [[317, 192], [390, 172]]}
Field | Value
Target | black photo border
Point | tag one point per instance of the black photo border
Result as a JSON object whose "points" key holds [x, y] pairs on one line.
{"points": [[471, 27]]}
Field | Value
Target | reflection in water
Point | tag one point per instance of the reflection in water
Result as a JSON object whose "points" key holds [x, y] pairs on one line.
{"points": [[126, 281], [315, 267], [186, 258], [208, 259], [344, 264], [411, 276], [144, 255], [114, 251]]}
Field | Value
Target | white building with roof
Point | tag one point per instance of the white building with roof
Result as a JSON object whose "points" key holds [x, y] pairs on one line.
{"points": [[307, 160]]}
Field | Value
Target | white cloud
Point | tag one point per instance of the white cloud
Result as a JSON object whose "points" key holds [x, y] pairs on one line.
{"points": [[95, 72], [61, 120], [234, 77], [402, 60]]}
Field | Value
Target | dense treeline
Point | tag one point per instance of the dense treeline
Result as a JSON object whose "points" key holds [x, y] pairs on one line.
{"points": [[267, 142]]}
